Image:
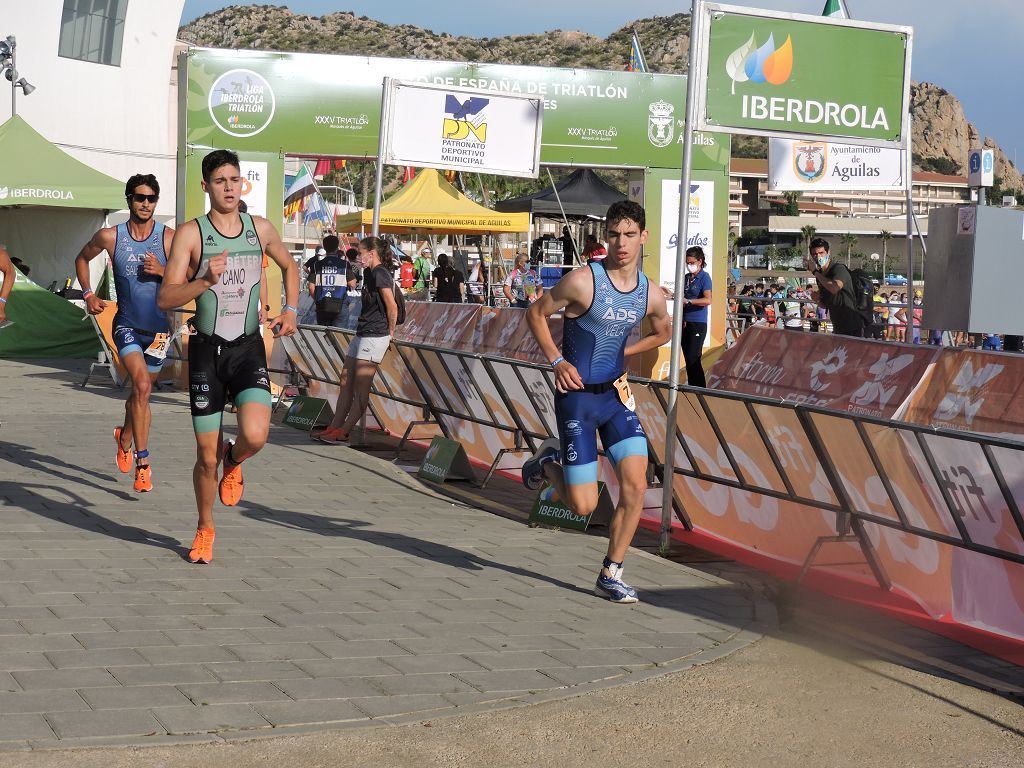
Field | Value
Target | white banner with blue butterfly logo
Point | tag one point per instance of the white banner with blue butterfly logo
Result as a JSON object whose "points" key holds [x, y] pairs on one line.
{"points": [[827, 166], [453, 128]]}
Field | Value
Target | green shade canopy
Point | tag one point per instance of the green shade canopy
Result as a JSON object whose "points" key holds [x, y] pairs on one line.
{"points": [[35, 172], [45, 325]]}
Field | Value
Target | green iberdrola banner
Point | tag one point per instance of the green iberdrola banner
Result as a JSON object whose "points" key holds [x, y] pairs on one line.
{"points": [[805, 77], [317, 104]]}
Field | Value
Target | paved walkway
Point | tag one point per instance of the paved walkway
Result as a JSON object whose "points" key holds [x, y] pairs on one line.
{"points": [[343, 592]]}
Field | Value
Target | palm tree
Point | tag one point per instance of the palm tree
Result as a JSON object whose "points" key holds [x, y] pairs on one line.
{"points": [[885, 237], [808, 232], [849, 240]]}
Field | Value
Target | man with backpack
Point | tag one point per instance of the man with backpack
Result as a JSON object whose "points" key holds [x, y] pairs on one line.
{"points": [[330, 279], [422, 271], [839, 291]]}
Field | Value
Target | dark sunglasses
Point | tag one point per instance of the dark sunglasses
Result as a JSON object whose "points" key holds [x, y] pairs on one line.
{"points": [[139, 198]]}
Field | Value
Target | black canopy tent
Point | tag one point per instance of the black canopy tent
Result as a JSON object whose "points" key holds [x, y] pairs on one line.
{"points": [[582, 193]]}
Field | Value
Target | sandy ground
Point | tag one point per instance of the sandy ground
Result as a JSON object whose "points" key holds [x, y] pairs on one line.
{"points": [[786, 701]]}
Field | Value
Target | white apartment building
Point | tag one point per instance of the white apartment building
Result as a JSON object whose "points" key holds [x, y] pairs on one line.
{"points": [[104, 73]]}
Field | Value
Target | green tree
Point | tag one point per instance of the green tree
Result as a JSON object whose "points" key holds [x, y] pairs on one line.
{"points": [[885, 237], [808, 231], [792, 206], [771, 256], [789, 256], [848, 240]]}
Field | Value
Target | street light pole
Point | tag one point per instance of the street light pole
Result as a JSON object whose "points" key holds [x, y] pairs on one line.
{"points": [[9, 67], [13, 77]]}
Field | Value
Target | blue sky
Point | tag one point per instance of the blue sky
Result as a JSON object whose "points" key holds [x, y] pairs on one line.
{"points": [[952, 41]]}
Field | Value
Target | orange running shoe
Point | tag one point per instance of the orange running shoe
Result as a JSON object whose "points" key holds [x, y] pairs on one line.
{"points": [[124, 458], [143, 478], [202, 546], [231, 484], [333, 436]]}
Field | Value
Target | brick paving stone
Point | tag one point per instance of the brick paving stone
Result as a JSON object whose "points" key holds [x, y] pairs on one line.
{"points": [[162, 673], [230, 693], [24, 660], [55, 679], [103, 657], [331, 688], [209, 719], [240, 671], [121, 723], [518, 680], [310, 711], [21, 727], [133, 697]]}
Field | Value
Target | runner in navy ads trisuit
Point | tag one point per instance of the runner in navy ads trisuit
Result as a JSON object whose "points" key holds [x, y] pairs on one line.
{"points": [[602, 302], [138, 250]]}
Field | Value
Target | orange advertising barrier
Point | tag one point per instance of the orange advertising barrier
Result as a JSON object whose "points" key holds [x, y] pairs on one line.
{"points": [[939, 512], [105, 322], [936, 514], [973, 391], [859, 376]]}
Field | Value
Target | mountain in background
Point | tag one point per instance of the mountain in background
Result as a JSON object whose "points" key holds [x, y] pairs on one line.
{"points": [[942, 135]]}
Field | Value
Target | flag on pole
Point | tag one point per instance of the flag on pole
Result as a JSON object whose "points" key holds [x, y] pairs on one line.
{"points": [[325, 165], [300, 189], [408, 175], [835, 8], [637, 62]]}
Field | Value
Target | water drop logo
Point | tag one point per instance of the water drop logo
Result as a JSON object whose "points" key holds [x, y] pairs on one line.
{"points": [[765, 64]]}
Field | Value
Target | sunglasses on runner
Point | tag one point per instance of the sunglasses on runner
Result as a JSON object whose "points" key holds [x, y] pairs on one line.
{"points": [[140, 198]]}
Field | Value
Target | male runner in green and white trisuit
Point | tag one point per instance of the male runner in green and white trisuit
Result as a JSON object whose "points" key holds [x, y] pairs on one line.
{"points": [[217, 260]]}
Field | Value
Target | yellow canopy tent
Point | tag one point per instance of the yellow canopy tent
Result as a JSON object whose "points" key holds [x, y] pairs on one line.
{"points": [[429, 203]]}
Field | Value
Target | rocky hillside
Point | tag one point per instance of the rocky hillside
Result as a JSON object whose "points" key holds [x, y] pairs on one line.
{"points": [[942, 134]]}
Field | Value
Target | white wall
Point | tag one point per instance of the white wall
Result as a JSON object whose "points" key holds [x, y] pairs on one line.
{"points": [[124, 115]]}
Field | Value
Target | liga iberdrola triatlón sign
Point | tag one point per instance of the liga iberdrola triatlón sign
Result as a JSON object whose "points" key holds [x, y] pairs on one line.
{"points": [[775, 74]]}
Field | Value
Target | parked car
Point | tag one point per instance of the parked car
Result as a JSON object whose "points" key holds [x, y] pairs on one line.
{"points": [[896, 279]]}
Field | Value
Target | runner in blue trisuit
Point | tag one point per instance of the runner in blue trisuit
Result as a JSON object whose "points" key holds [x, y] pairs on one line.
{"points": [[602, 302], [138, 251]]}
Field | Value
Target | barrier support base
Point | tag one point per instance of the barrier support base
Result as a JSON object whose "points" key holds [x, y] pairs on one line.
{"points": [[497, 459], [858, 535], [405, 435], [107, 366]]}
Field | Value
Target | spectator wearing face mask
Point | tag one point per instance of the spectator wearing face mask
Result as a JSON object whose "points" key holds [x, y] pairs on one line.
{"points": [[696, 300]]}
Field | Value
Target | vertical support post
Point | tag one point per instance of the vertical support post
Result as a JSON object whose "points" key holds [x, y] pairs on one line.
{"points": [[696, 13], [385, 100], [14, 80], [908, 177]]}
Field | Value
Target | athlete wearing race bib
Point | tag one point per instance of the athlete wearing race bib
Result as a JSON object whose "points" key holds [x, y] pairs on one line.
{"points": [[603, 304], [138, 251], [330, 278], [138, 320], [222, 253]]}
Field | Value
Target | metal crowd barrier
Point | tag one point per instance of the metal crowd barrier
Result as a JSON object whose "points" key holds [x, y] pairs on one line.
{"points": [[944, 486], [447, 387], [842, 443]]}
